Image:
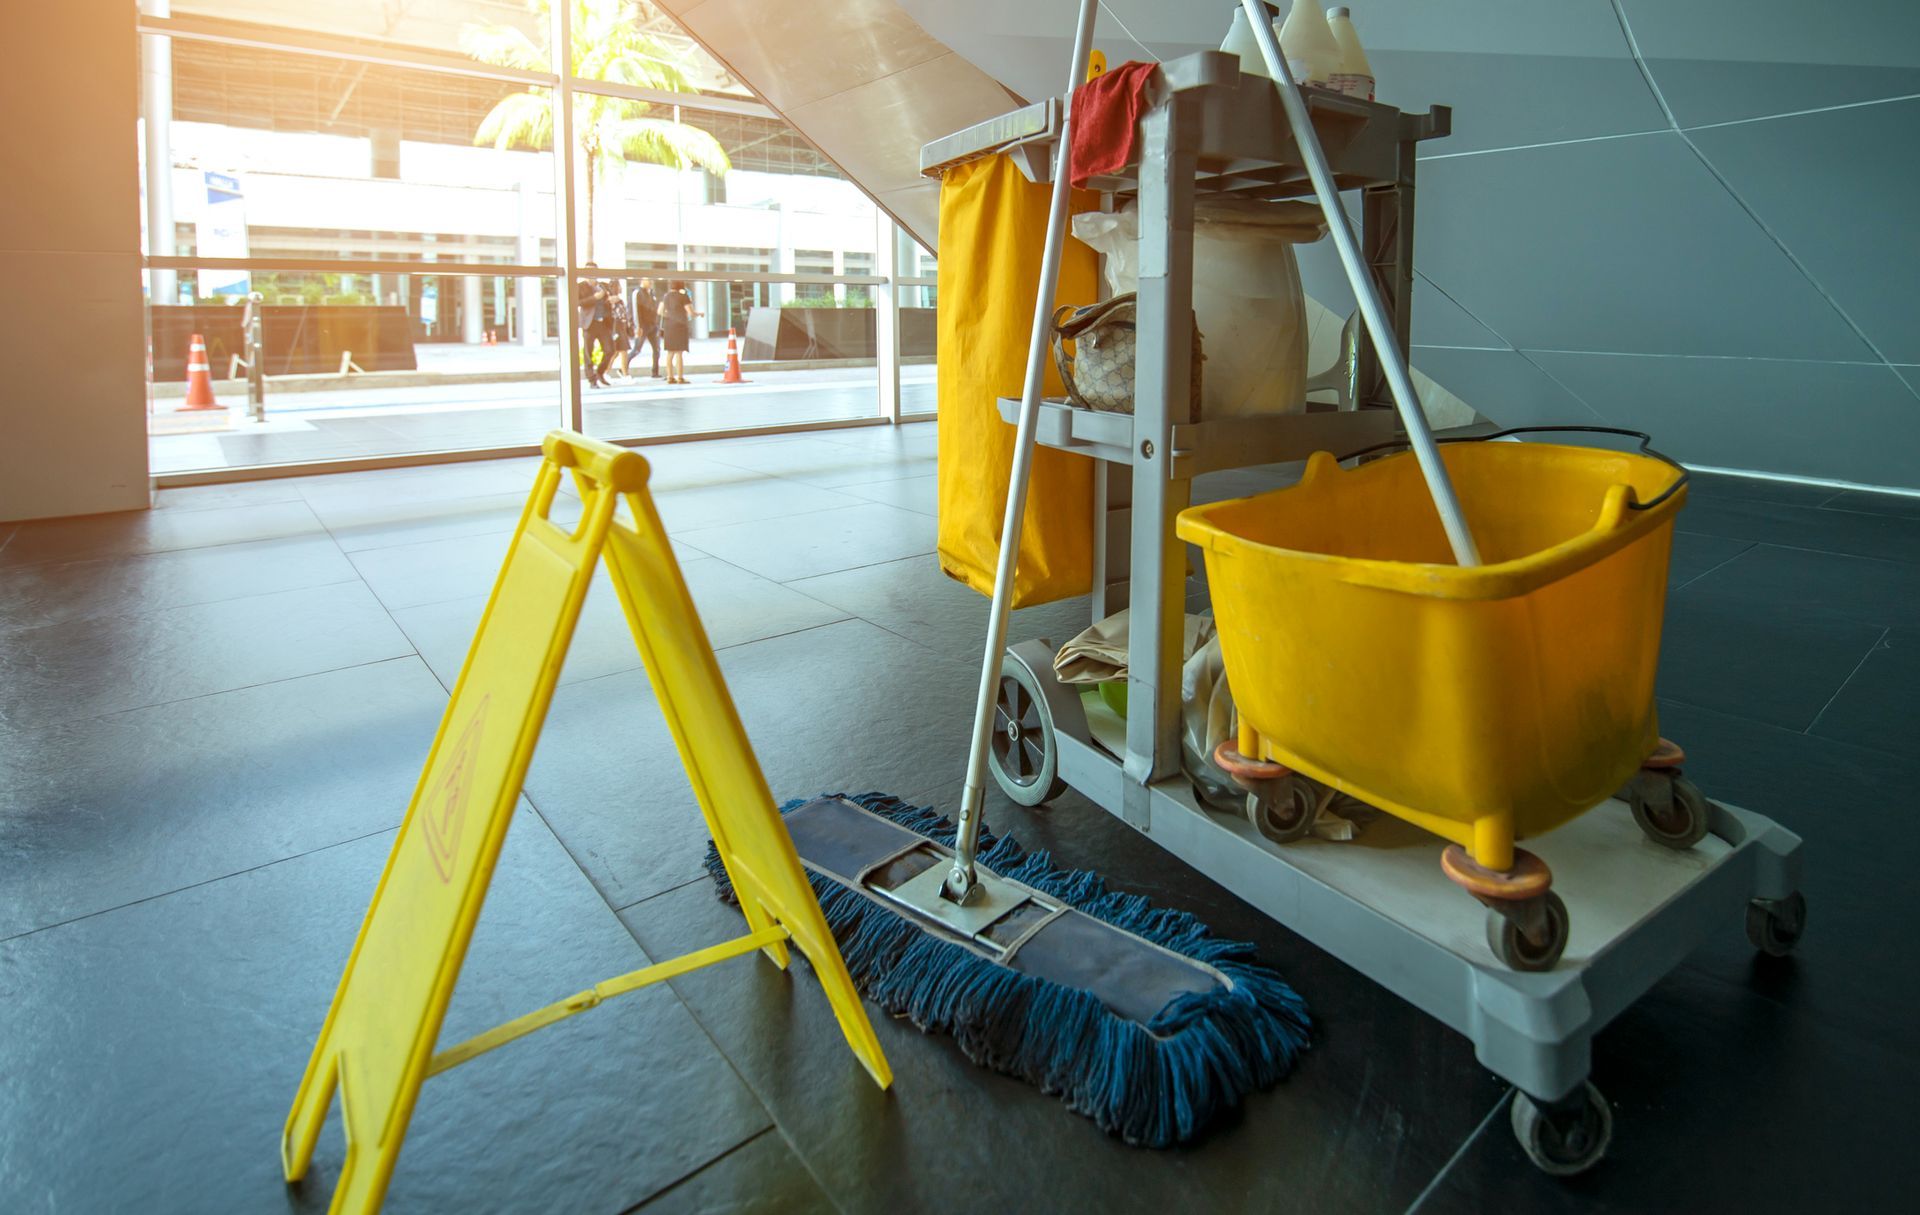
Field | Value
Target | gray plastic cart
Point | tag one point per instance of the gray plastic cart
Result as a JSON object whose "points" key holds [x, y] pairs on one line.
{"points": [[1379, 903]]}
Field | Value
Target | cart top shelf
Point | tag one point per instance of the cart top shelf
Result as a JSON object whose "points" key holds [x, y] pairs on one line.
{"points": [[1238, 132]]}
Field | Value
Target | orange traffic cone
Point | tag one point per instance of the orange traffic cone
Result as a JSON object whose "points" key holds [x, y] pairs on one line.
{"points": [[199, 377], [733, 375]]}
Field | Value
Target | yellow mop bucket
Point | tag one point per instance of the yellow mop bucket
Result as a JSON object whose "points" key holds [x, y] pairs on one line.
{"points": [[1484, 704]]}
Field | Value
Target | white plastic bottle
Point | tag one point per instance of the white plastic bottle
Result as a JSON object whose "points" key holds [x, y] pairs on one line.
{"points": [[1240, 41], [1312, 54], [1354, 76]]}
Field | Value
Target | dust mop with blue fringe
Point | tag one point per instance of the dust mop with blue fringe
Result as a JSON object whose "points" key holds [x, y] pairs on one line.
{"points": [[1134, 1015]]}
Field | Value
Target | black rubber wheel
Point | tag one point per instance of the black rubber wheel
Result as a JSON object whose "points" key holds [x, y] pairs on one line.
{"points": [[1515, 951], [1563, 1143], [1285, 815], [1681, 824], [1025, 758], [1774, 925]]}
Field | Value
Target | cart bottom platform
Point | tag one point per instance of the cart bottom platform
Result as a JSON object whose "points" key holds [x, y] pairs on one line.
{"points": [[1381, 904]]}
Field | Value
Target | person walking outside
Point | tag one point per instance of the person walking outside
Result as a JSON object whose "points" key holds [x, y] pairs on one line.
{"points": [[646, 321], [676, 329], [624, 333], [592, 297]]}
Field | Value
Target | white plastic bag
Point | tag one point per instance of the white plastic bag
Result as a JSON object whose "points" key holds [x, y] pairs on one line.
{"points": [[1246, 297]]}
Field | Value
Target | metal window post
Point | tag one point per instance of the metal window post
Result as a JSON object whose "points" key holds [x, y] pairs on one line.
{"points": [[561, 39], [157, 128], [886, 315]]}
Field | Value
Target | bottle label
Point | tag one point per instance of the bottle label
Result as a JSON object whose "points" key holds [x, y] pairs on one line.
{"points": [[1353, 84]]}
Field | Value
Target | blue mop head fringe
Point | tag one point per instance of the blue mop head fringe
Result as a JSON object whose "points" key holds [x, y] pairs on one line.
{"points": [[1153, 1085]]}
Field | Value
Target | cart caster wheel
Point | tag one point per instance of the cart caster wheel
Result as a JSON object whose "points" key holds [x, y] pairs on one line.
{"points": [[1774, 925], [1025, 757], [1674, 817], [1564, 1143], [1287, 813], [1518, 949]]}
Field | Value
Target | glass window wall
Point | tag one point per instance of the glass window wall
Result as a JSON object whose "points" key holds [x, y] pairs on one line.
{"points": [[322, 189]]}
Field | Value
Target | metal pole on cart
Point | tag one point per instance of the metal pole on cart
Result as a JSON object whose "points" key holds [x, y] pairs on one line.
{"points": [[1379, 326], [961, 881]]}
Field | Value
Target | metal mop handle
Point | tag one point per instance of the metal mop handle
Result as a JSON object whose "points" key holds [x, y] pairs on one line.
{"points": [[960, 882], [1419, 435]]}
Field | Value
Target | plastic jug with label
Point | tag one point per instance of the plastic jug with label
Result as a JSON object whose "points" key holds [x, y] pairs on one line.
{"points": [[1353, 76], [1312, 54]]}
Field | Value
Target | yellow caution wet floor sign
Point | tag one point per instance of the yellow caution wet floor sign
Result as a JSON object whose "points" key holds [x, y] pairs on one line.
{"points": [[376, 1047]]}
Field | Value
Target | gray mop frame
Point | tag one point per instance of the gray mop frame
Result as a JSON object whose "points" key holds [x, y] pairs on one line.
{"points": [[1203, 134]]}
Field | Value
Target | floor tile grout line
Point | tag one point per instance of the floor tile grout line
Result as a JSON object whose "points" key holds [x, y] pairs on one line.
{"points": [[248, 687], [1871, 651], [318, 529], [672, 990], [167, 552], [769, 1129], [852, 502], [693, 1014], [866, 565], [279, 860], [825, 624], [157, 509], [624, 908], [1459, 1152], [84, 617], [1824, 552], [1863, 514], [869, 566], [1747, 548]]}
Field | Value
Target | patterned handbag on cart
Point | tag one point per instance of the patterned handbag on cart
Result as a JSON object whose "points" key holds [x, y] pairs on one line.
{"points": [[1099, 372]]}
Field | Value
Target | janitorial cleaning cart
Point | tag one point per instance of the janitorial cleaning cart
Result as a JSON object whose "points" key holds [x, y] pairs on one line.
{"points": [[1460, 634]]}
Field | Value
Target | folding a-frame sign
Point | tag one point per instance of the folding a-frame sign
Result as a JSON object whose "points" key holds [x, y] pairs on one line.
{"points": [[377, 1044]]}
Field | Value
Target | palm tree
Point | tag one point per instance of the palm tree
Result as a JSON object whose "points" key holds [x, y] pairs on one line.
{"points": [[610, 44]]}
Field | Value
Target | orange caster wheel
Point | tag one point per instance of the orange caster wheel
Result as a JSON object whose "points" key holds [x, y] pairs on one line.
{"points": [[1669, 808], [1527, 924]]}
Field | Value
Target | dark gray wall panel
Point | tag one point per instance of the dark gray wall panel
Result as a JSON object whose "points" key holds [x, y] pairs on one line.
{"points": [[1701, 92], [1565, 215], [1725, 60], [1507, 101], [1839, 190], [1503, 386], [1847, 421], [1437, 320], [1618, 245]]}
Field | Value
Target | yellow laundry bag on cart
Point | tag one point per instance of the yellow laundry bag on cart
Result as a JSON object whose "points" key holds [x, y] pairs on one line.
{"points": [[993, 229]]}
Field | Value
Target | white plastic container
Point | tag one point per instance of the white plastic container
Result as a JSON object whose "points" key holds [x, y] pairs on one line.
{"points": [[1307, 42], [1239, 41], [1246, 297], [1353, 76]]}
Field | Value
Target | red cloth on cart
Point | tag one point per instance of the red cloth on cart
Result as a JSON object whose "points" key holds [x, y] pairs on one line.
{"points": [[1106, 120]]}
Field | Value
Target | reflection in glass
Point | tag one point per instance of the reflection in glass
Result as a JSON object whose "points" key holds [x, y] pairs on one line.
{"points": [[431, 26], [325, 160], [353, 365]]}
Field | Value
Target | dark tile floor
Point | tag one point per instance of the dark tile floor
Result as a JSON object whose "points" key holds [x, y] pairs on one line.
{"points": [[212, 715]]}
